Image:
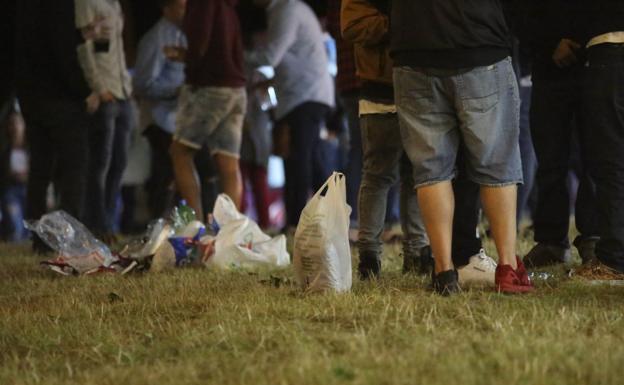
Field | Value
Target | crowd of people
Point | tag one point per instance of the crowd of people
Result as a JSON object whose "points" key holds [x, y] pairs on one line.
{"points": [[435, 111]]}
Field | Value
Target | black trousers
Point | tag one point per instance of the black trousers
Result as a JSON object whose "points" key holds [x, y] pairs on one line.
{"points": [[57, 133], [305, 123], [555, 108], [603, 104], [466, 240]]}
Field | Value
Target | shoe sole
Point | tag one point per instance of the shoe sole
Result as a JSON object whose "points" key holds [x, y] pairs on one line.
{"points": [[514, 289]]}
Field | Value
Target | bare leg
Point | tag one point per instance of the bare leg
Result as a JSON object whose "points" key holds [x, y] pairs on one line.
{"points": [[186, 177], [230, 177], [437, 204], [499, 204]]}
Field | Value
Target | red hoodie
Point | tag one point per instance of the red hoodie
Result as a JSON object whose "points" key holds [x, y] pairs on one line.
{"points": [[215, 49]]}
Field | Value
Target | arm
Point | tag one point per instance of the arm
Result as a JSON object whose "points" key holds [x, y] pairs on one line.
{"points": [[85, 16], [281, 35], [150, 63], [363, 23], [198, 22]]}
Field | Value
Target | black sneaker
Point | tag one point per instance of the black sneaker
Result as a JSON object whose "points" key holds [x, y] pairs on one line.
{"points": [[369, 266], [410, 263], [446, 283], [544, 254], [586, 248]]}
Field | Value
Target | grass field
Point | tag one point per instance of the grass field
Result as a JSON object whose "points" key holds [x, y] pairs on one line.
{"points": [[193, 326]]}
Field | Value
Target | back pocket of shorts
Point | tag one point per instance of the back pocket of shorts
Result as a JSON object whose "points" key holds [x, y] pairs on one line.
{"points": [[479, 89]]}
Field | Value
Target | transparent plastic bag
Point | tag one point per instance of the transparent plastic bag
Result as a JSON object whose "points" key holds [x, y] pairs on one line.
{"points": [[76, 246]]}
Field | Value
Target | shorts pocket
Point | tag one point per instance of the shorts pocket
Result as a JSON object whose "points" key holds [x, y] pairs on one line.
{"points": [[414, 90], [479, 88]]}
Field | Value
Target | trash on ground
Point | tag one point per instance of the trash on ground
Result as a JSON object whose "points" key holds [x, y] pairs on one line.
{"points": [[239, 242], [322, 256], [79, 252]]}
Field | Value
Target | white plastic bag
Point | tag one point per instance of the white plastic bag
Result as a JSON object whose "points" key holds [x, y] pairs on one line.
{"points": [[322, 255], [240, 243]]}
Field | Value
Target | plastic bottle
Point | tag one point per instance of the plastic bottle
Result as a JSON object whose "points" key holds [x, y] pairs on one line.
{"points": [[187, 214]]}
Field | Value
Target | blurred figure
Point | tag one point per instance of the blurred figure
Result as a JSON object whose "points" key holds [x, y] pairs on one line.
{"points": [[13, 191], [54, 98], [558, 65], [603, 91], [104, 65], [158, 79], [366, 24], [213, 101], [348, 88], [304, 87]]}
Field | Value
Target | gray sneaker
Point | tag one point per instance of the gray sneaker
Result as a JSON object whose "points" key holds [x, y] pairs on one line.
{"points": [[543, 254]]}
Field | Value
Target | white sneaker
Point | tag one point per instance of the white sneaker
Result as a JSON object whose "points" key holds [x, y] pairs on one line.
{"points": [[480, 270]]}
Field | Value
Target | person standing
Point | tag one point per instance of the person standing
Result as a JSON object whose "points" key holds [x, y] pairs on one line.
{"points": [[305, 90], [55, 100], [104, 64], [158, 79], [366, 25], [603, 91], [213, 100], [454, 82], [558, 65]]}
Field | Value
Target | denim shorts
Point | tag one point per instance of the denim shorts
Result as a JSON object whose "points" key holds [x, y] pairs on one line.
{"points": [[211, 116], [478, 108]]}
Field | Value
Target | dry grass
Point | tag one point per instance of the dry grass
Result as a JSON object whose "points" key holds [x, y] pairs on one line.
{"points": [[198, 327]]}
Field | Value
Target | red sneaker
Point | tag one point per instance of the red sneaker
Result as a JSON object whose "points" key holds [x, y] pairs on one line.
{"points": [[522, 273], [507, 281]]}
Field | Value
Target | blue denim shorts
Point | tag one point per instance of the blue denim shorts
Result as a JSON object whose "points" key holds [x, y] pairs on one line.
{"points": [[478, 108], [212, 116]]}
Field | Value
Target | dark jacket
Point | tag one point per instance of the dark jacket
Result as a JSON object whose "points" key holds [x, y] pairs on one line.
{"points": [[602, 16], [546, 23], [449, 33], [215, 46], [367, 26], [46, 62]]}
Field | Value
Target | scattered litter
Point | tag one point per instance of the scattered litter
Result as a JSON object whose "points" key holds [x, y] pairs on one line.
{"points": [[322, 256], [79, 252], [239, 242], [541, 276]]}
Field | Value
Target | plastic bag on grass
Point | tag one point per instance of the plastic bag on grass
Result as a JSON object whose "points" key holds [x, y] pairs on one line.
{"points": [[240, 243], [77, 248], [322, 255]]}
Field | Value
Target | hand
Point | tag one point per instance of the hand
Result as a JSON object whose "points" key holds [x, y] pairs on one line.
{"points": [[106, 97], [175, 53], [97, 30], [565, 53], [93, 103]]}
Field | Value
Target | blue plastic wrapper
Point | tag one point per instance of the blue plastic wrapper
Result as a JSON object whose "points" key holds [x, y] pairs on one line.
{"points": [[185, 248]]}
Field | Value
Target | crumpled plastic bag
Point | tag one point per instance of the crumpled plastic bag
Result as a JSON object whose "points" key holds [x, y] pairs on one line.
{"points": [[240, 243], [75, 245]]}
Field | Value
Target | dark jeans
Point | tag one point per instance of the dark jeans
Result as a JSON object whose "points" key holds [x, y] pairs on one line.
{"points": [[603, 101], [353, 170], [57, 133], [305, 123], [527, 153], [109, 144], [555, 106]]}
